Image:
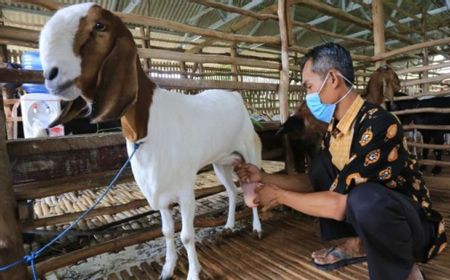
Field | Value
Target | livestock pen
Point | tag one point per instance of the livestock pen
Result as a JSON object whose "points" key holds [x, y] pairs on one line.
{"points": [[190, 46]]}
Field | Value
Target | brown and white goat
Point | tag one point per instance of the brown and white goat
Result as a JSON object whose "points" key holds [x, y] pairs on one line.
{"points": [[90, 59]]}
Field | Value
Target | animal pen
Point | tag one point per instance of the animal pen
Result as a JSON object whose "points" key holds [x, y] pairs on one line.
{"points": [[253, 47]]}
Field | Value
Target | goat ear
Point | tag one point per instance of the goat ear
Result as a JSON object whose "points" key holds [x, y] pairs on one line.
{"points": [[71, 110], [118, 81]]}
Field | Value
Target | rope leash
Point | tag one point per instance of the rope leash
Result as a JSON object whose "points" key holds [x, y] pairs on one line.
{"points": [[30, 259]]}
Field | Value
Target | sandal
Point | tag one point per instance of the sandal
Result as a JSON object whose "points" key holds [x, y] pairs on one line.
{"points": [[342, 259]]}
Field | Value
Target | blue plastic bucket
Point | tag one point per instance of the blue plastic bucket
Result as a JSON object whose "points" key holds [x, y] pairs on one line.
{"points": [[31, 61]]}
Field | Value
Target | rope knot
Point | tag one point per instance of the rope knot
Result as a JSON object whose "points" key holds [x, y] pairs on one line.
{"points": [[29, 259]]}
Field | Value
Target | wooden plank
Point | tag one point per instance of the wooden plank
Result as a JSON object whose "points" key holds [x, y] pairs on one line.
{"points": [[422, 110], [11, 247], [63, 157], [138, 274]]}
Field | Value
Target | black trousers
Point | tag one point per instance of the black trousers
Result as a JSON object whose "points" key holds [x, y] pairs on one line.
{"points": [[393, 228]]}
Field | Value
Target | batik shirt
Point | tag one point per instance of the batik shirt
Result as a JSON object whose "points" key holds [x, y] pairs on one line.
{"points": [[367, 145]]}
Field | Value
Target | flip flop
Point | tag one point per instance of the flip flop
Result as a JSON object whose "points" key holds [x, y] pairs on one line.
{"points": [[343, 259]]}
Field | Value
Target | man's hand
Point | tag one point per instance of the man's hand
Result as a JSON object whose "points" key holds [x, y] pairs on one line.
{"points": [[268, 196], [248, 173]]}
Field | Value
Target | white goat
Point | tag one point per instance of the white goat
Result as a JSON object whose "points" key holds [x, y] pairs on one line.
{"points": [[89, 58]]}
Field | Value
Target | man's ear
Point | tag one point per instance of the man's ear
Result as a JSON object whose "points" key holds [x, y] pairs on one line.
{"points": [[334, 78]]}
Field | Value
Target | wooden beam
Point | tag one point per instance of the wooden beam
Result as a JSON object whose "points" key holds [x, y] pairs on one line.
{"points": [[378, 30], [206, 58], [12, 75], [19, 34], [342, 15], [232, 9], [423, 68], [355, 57], [314, 29], [11, 247], [411, 48], [48, 4], [204, 84], [241, 23], [184, 28], [425, 80], [422, 110], [425, 94]]}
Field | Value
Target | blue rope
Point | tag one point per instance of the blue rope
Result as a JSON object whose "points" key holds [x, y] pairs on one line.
{"points": [[30, 259]]}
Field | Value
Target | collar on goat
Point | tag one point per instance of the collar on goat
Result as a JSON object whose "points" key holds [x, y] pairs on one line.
{"points": [[97, 56]]}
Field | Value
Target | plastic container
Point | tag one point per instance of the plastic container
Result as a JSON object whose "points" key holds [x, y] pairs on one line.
{"points": [[31, 61], [38, 111]]}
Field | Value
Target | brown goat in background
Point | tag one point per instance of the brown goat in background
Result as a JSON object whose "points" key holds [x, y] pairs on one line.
{"points": [[383, 84]]}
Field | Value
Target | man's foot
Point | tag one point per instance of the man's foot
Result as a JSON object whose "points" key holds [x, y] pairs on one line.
{"points": [[415, 273], [349, 252]]}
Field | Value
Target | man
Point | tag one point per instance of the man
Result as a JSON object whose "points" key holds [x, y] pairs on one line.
{"points": [[363, 185]]}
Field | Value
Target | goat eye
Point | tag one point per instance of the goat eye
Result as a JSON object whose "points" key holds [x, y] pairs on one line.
{"points": [[99, 27]]}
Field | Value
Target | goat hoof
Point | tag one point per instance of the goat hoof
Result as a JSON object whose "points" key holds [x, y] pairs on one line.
{"points": [[165, 277], [227, 232], [257, 234]]}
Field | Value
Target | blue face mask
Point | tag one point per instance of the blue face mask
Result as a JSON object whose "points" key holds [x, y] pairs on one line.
{"points": [[321, 111]]}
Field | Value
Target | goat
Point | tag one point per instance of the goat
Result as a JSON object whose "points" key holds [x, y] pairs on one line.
{"points": [[305, 133], [90, 59], [385, 84]]}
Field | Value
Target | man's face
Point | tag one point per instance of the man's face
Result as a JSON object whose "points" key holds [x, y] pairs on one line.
{"points": [[313, 81]]}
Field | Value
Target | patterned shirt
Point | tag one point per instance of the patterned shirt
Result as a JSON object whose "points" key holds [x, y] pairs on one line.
{"points": [[367, 145]]}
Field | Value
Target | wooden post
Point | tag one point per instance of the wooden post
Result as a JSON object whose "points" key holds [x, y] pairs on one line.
{"points": [[378, 30], [284, 73], [234, 69], [426, 86], [283, 89], [145, 33], [11, 247]]}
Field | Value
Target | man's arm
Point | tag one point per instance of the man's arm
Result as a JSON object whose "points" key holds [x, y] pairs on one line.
{"points": [[293, 182], [325, 204], [249, 173]]}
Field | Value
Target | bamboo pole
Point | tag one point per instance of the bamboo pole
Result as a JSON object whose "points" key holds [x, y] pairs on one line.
{"points": [[411, 48], [283, 90], [283, 15], [434, 162], [426, 127], [378, 30], [423, 68], [180, 27], [342, 15], [429, 146], [425, 80], [422, 110], [11, 247], [232, 9], [426, 94], [234, 69]]}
